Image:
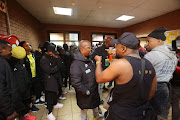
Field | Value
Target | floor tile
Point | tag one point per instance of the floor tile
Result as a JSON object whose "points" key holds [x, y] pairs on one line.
{"points": [[65, 117], [70, 110]]}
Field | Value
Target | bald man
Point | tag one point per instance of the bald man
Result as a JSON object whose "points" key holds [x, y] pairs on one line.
{"points": [[82, 73]]}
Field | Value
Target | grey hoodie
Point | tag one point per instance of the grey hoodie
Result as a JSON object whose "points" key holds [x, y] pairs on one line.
{"points": [[164, 61]]}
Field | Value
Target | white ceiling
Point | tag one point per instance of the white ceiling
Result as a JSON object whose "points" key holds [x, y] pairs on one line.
{"points": [[88, 13]]}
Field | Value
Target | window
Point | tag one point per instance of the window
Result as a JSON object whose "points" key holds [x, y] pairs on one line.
{"points": [[112, 36], [59, 38], [95, 43], [98, 38], [56, 36], [73, 36]]}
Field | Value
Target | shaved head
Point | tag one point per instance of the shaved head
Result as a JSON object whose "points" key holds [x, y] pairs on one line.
{"points": [[5, 49], [83, 43], [85, 48], [108, 42], [108, 39]]}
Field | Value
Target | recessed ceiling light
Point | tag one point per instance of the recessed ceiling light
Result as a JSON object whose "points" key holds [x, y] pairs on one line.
{"points": [[73, 4], [63, 11], [125, 18]]}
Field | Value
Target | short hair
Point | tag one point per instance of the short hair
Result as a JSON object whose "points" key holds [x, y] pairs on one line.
{"points": [[65, 46], [40, 46], [22, 43], [59, 48], [71, 46], [3, 44]]}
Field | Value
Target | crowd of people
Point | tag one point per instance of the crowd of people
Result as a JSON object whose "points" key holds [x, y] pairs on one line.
{"points": [[141, 91]]}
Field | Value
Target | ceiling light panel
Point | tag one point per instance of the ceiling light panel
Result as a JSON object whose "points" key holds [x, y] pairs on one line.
{"points": [[62, 11], [125, 18]]}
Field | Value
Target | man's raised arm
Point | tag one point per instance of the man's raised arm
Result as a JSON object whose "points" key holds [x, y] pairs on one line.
{"points": [[108, 74]]}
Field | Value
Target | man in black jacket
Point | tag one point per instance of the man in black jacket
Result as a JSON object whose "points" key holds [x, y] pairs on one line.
{"points": [[101, 51], [51, 66], [68, 60], [21, 85], [6, 83], [32, 67], [82, 73]]}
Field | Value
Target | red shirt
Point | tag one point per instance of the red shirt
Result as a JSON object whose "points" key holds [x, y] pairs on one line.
{"points": [[142, 49]]}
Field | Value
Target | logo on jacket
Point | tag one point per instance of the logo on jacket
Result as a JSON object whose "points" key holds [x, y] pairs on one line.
{"points": [[86, 65], [88, 71]]}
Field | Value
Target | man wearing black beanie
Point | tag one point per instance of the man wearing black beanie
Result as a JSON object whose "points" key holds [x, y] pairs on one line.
{"points": [[164, 61]]}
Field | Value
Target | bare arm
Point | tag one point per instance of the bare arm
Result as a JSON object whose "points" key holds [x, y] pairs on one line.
{"points": [[153, 88], [109, 73]]}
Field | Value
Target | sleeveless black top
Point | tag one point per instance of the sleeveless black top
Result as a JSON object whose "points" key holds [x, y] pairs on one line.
{"points": [[126, 108]]}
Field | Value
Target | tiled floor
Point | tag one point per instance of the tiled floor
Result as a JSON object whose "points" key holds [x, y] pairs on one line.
{"points": [[70, 110]]}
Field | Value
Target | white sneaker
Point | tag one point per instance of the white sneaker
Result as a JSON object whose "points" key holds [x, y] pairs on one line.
{"points": [[51, 116], [64, 93], [66, 88], [62, 98], [42, 98], [58, 105], [71, 91]]}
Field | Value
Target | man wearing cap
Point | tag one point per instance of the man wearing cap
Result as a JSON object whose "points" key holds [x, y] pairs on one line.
{"points": [[164, 61], [128, 94], [51, 75]]}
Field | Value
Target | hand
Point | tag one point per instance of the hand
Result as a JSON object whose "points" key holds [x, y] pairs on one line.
{"points": [[12, 117], [54, 55], [98, 58], [111, 52]]}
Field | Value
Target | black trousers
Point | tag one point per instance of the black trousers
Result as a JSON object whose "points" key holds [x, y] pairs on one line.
{"points": [[67, 74], [51, 99], [60, 83], [36, 87]]}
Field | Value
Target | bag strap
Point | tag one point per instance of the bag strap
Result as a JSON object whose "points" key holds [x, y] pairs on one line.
{"points": [[130, 91], [143, 69]]}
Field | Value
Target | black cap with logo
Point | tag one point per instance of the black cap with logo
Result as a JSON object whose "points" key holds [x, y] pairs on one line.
{"points": [[158, 33], [127, 39]]}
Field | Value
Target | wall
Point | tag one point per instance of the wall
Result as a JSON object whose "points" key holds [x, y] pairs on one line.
{"points": [[22, 24], [28, 28], [3, 26], [142, 41], [170, 20], [85, 31]]}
